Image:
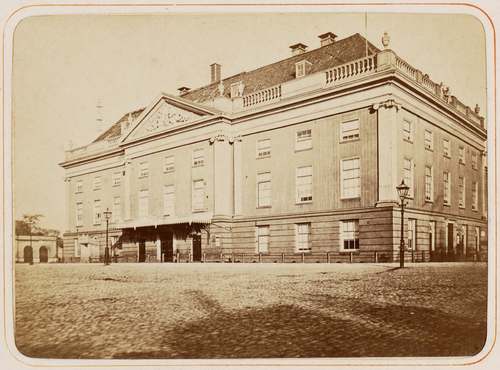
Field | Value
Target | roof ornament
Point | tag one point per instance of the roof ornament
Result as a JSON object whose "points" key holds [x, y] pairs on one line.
{"points": [[386, 39], [241, 88], [477, 109], [220, 87]]}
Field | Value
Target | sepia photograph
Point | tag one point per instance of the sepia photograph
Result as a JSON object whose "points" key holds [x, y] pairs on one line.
{"points": [[260, 184]]}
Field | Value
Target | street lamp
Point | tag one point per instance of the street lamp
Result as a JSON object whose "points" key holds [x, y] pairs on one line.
{"points": [[30, 222], [403, 190], [107, 216]]}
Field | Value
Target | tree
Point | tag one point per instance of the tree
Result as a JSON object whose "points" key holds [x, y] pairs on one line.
{"points": [[29, 223]]}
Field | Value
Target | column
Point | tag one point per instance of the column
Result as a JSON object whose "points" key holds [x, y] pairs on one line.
{"points": [[238, 176], [158, 248], [388, 154], [126, 189], [69, 203], [223, 176]]}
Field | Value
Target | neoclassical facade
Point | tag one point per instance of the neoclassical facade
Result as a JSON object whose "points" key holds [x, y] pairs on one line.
{"points": [[297, 158]]}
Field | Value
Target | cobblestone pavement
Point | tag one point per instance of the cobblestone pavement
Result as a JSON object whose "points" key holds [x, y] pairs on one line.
{"points": [[249, 310]]}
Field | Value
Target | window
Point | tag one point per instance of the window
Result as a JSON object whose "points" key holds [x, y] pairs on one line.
{"points": [[79, 214], [349, 130], [350, 178], [79, 186], [408, 175], [475, 188], [461, 192], [143, 203], [429, 184], [446, 188], [302, 237], [198, 200], [168, 200], [300, 69], [446, 148], [264, 189], [169, 164], [428, 140], [349, 232], [143, 169], [262, 239], [407, 130], [474, 160], [461, 155], [411, 237], [97, 212], [116, 212], [303, 184], [237, 89], [198, 158], [97, 183], [303, 140], [117, 178], [263, 148]]}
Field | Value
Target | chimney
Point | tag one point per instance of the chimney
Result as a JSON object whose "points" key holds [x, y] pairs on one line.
{"points": [[298, 48], [327, 38], [214, 72], [183, 89]]}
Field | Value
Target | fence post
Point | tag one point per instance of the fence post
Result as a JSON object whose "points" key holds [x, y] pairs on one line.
{"points": [[282, 257], [221, 257], [232, 257], [260, 257], [376, 257], [350, 257], [302, 257], [327, 257]]}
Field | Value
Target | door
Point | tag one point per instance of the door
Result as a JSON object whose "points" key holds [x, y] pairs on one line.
{"points": [[449, 242], [43, 254], [167, 249], [142, 251], [196, 248], [28, 254]]}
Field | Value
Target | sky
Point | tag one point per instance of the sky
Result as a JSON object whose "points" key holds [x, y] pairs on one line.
{"points": [[64, 65]]}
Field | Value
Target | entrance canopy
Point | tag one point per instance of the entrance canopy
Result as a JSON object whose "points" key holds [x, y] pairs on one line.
{"points": [[199, 218]]}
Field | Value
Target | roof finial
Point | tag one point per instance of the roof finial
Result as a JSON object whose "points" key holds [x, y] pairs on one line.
{"points": [[477, 109], [386, 39]]}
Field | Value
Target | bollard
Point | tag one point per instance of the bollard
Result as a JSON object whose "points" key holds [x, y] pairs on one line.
{"points": [[327, 257], [282, 257], [232, 257], [412, 256], [260, 257], [376, 257], [302, 257], [221, 257], [204, 257], [350, 257]]}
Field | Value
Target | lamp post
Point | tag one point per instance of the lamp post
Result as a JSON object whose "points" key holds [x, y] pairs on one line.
{"points": [[107, 216], [403, 190], [31, 240]]}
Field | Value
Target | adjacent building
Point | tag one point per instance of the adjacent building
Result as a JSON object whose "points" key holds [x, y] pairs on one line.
{"points": [[37, 249], [297, 158]]}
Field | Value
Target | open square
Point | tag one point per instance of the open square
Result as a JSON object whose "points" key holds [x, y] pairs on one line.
{"points": [[250, 310]]}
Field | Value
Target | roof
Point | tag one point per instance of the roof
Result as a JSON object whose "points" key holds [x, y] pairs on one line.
{"points": [[322, 58], [325, 57]]}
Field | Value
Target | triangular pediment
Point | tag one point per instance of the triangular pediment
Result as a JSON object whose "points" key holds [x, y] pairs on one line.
{"points": [[164, 114]]}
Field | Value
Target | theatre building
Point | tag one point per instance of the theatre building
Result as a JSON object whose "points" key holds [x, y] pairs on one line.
{"points": [[298, 159]]}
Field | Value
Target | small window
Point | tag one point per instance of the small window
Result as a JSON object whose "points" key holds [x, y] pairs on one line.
{"points": [[475, 188], [303, 184], [169, 164], [461, 155], [264, 189], [117, 178], [303, 139], [461, 192], [428, 140], [198, 158], [349, 232], [117, 210], [302, 237], [79, 187], [263, 148], [350, 178], [408, 175], [79, 214], [97, 183], [446, 148], [474, 160], [300, 69], [349, 130], [408, 130], [97, 212], [143, 203], [143, 169], [446, 188], [198, 195], [168, 200], [237, 89], [429, 184], [262, 239]]}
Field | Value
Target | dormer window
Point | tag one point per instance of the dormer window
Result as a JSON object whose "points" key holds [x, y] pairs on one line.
{"points": [[301, 68], [237, 89]]}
